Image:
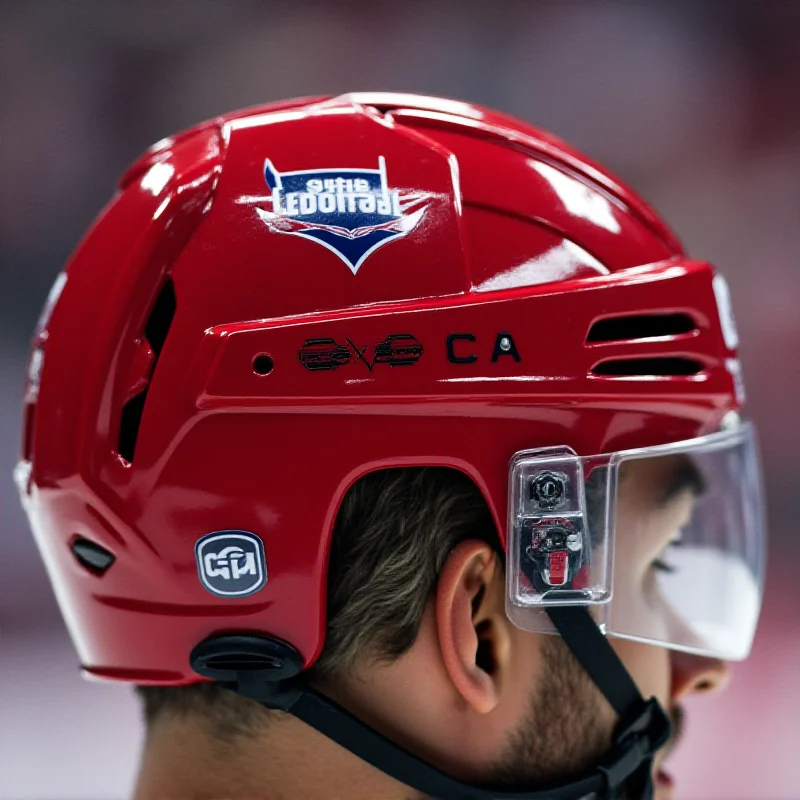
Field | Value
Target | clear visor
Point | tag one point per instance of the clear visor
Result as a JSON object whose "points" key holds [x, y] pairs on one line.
{"points": [[665, 544]]}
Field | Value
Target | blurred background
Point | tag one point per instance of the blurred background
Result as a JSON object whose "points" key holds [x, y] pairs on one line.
{"points": [[693, 102]]}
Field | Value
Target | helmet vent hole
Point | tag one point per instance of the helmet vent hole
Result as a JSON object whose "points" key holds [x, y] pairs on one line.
{"points": [[129, 426], [648, 326], [263, 364], [665, 367], [92, 556], [156, 330], [161, 317]]}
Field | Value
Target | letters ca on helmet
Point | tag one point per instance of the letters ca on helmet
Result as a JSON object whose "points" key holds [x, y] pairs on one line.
{"points": [[351, 212], [231, 563]]}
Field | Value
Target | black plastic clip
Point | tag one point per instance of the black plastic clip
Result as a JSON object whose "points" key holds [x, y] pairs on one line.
{"points": [[637, 741], [262, 668]]}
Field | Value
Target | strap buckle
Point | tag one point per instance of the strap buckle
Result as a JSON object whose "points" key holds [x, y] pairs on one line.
{"points": [[637, 740]]}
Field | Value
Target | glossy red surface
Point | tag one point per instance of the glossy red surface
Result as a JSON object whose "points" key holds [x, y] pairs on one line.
{"points": [[522, 237]]}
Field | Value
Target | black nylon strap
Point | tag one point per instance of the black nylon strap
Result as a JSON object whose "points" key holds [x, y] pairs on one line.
{"points": [[338, 724], [627, 765], [278, 684], [597, 657], [644, 720]]}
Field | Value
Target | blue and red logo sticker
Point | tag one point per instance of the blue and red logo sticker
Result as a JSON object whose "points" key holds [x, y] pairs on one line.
{"points": [[351, 212]]}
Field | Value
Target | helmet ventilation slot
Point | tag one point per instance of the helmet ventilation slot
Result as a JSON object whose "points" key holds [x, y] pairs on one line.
{"points": [[155, 331], [161, 318], [646, 326], [92, 556], [659, 367], [129, 426]]}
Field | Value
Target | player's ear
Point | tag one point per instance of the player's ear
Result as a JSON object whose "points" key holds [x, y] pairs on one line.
{"points": [[474, 634]]}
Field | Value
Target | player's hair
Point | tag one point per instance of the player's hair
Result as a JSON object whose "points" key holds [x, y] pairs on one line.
{"points": [[393, 533]]}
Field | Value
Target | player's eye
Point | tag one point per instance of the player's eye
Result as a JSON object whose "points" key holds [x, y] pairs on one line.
{"points": [[660, 562]]}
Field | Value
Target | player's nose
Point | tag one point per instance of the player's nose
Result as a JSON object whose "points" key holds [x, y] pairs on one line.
{"points": [[697, 675]]}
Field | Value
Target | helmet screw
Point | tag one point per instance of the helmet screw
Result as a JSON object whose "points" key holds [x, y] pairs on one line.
{"points": [[549, 489], [505, 344]]}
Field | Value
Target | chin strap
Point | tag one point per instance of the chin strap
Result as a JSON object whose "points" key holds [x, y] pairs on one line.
{"points": [[268, 670], [644, 727]]}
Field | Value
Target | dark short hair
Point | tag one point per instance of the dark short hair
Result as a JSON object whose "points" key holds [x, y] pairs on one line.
{"points": [[393, 533]]}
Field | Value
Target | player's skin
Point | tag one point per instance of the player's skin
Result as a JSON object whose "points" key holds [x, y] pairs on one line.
{"points": [[439, 700]]}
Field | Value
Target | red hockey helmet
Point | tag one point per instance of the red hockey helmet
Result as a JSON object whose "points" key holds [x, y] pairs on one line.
{"points": [[279, 301]]}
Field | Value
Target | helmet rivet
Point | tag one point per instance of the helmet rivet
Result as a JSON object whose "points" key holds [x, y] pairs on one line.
{"points": [[505, 344]]}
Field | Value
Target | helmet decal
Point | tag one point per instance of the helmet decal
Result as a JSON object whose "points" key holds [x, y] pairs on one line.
{"points": [[231, 563], [352, 212], [396, 350]]}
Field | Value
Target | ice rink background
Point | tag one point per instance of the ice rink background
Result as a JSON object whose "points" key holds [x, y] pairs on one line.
{"points": [[695, 103]]}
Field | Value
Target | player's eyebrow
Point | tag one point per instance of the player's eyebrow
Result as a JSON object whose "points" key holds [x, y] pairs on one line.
{"points": [[687, 475]]}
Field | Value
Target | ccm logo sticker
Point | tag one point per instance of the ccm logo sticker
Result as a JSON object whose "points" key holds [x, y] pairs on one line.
{"points": [[396, 350], [351, 212], [231, 563]]}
